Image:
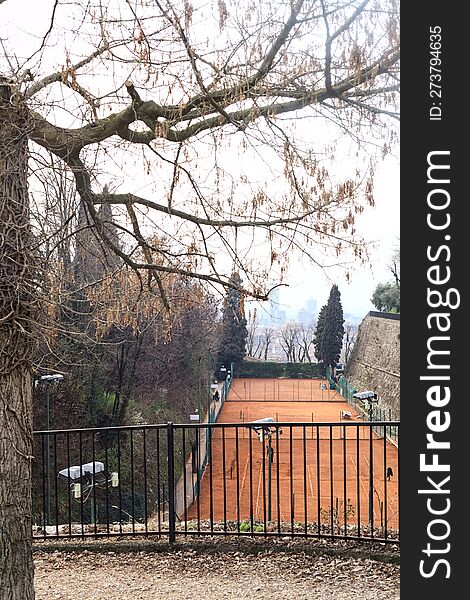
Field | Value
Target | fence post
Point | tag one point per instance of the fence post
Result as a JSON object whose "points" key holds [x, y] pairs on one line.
{"points": [[171, 482]]}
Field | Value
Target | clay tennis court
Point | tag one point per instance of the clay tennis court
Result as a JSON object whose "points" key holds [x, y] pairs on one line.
{"points": [[282, 390], [320, 473]]}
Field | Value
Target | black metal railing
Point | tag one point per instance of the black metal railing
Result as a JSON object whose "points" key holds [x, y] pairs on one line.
{"points": [[328, 480]]}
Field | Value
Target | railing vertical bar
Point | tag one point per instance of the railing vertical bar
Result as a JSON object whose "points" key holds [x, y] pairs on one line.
{"points": [[224, 479], [120, 478], [237, 458], [264, 437], [56, 494], [106, 462], [384, 524], [144, 442], [291, 481], [198, 480], [250, 441], [318, 481], [211, 481], [185, 506], [93, 515], [159, 488], [171, 482], [305, 478], [278, 486], [345, 500], [131, 449], [44, 476], [69, 499], [80, 441], [399, 482], [331, 481], [358, 480], [371, 480]]}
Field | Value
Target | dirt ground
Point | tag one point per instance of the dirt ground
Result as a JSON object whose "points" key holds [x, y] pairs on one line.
{"points": [[281, 570]]}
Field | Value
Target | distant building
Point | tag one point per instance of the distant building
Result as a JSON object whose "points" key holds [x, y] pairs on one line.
{"points": [[311, 306], [304, 317]]}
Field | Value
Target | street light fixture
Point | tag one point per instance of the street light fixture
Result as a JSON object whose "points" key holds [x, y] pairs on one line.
{"points": [[85, 479], [48, 379], [369, 395], [370, 398], [264, 428]]}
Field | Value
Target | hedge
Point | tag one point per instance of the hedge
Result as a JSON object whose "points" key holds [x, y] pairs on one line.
{"points": [[279, 369]]}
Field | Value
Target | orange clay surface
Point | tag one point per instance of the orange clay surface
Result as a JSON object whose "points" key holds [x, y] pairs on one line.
{"points": [[313, 478]]}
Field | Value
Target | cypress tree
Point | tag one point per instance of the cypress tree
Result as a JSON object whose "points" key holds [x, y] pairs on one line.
{"points": [[319, 334], [234, 333], [330, 331]]}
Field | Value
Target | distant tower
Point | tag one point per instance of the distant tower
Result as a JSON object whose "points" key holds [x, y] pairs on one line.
{"points": [[311, 306], [274, 304]]}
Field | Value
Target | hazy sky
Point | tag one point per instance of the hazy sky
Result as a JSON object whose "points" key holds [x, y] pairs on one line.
{"points": [[380, 224]]}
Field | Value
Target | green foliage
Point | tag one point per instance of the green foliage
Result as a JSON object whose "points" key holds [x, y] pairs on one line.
{"points": [[279, 369], [234, 333], [386, 297], [330, 330], [257, 527], [338, 511]]}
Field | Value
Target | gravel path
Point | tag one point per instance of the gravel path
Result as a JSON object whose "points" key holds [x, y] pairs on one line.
{"points": [[189, 573]]}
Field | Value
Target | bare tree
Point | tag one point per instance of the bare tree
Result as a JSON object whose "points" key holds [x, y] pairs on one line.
{"points": [[306, 335], [146, 114], [243, 90], [394, 267], [267, 337], [253, 340], [289, 340], [350, 333]]}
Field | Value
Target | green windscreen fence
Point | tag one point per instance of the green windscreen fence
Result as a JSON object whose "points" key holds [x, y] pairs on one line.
{"points": [[379, 413]]}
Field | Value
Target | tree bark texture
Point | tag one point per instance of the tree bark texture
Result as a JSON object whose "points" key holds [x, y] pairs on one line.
{"points": [[17, 307]]}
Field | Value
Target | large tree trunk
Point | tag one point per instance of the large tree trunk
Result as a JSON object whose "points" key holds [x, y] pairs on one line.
{"points": [[16, 339]]}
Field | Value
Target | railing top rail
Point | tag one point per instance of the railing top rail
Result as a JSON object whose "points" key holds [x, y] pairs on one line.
{"points": [[101, 429], [222, 425], [292, 423]]}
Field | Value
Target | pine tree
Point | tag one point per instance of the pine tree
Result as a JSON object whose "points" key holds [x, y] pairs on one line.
{"points": [[234, 333], [330, 331]]}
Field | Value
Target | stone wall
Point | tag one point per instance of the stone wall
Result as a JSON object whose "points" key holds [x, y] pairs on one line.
{"points": [[374, 363]]}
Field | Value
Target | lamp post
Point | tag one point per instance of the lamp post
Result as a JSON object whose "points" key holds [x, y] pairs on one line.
{"points": [[371, 398], [223, 372], [199, 389], [48, 379], [265, 429]]}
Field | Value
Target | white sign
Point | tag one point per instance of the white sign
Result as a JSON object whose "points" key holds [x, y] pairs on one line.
{"points": [[194, 417]]}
